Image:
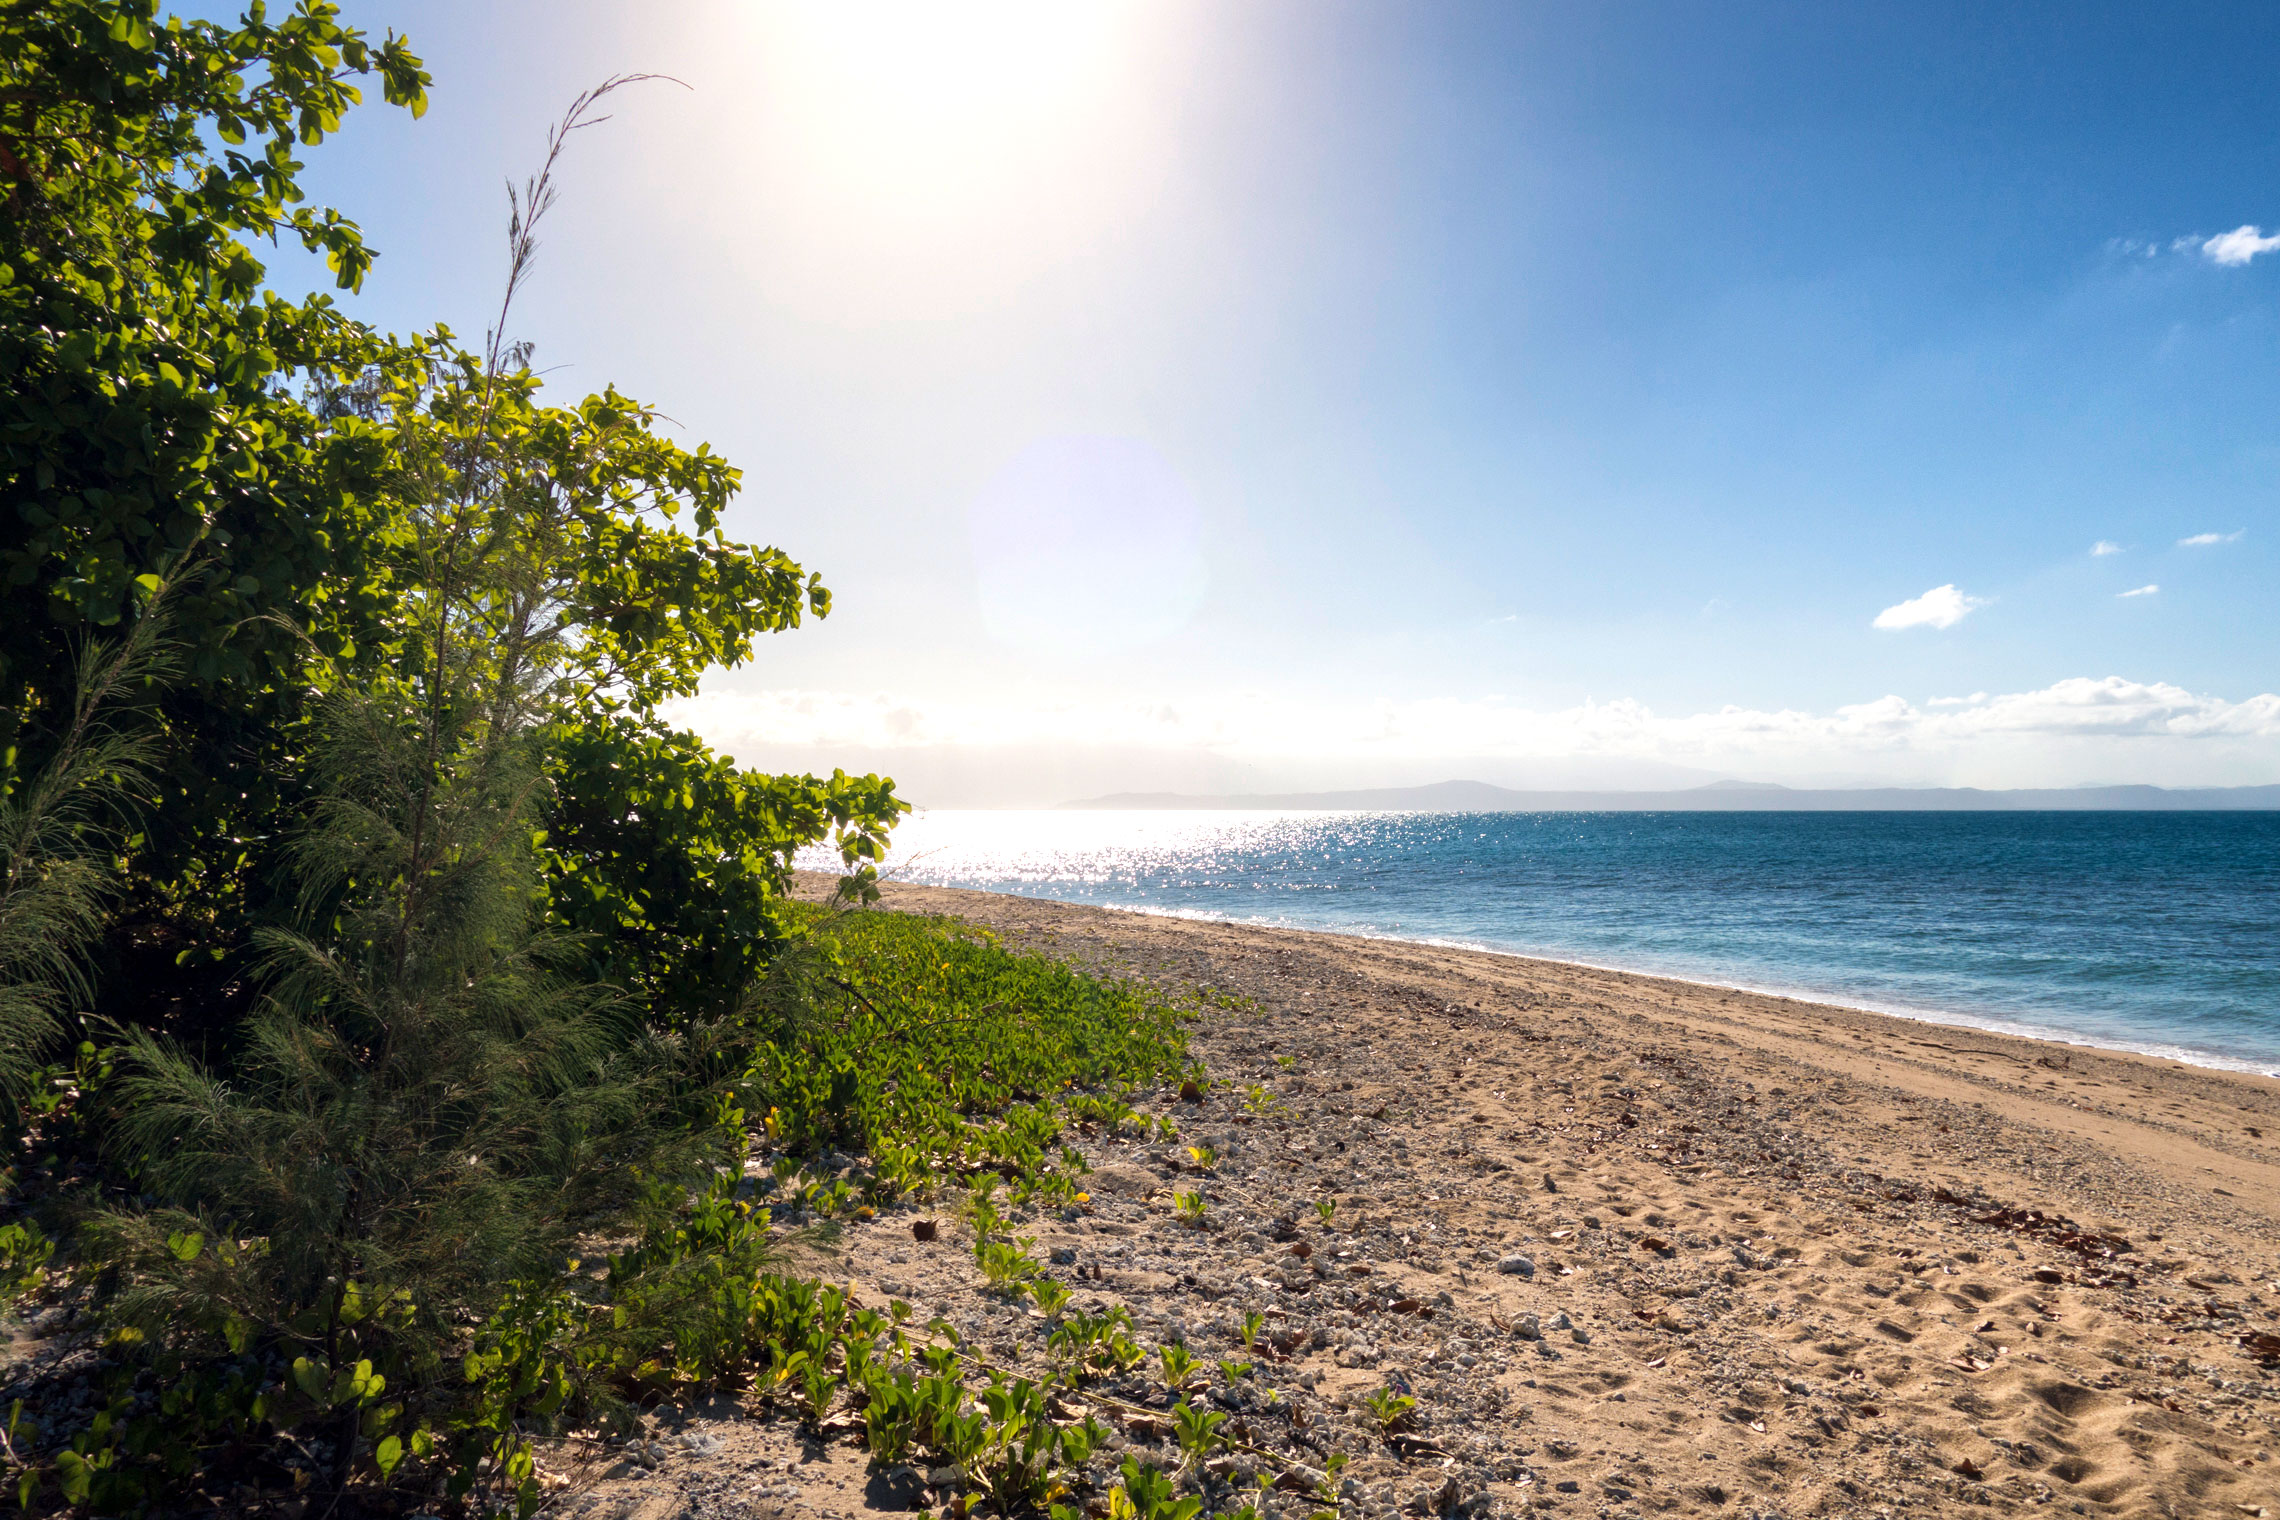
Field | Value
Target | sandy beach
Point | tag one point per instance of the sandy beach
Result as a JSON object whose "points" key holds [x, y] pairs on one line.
{"points": [[1636, 1246]]}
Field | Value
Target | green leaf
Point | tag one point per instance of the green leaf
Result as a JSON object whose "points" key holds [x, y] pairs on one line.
{"points": [[186, 1244], [74, 1474], [367, 1384], [387, 1454]]}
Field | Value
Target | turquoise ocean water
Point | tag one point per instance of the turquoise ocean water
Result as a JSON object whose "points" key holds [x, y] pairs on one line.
{"points": [[2157, 932]]}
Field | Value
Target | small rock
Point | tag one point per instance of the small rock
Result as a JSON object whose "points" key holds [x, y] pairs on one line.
{"points": [[896, 1488], [1529, 1328], [1125, 1178], [1064, 1256], [1516, 1265], [1579, 1335], [945, 1480]]}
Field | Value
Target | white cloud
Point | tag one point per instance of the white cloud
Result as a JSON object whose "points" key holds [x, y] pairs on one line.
{"points": [[1940, 607], [2105, 546], [2238, 246], [2203, 540], [2107, 726], [2140, 591]]}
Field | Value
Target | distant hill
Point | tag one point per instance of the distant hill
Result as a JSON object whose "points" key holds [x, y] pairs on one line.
{"points": [[1723, 797]]}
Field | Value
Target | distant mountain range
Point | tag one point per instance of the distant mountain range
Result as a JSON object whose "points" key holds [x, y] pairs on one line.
{"points": [[1723, 797]]}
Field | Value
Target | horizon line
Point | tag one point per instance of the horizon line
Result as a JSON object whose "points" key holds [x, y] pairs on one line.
{"points": [[1714, 796]]}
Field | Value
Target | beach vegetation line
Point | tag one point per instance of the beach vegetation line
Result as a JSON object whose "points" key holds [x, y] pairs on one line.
{"points": [[412, 1061]]}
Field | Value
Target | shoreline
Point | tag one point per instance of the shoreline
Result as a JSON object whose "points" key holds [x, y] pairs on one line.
{"points": [[2183, 1055], [1636, 1246], [994, 909]]}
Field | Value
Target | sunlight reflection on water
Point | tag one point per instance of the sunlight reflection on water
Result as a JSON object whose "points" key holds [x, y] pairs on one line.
{"points": [[2149, 931]]}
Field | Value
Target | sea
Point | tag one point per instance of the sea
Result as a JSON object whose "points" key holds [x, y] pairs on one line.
{"points": [[2156, 932]]}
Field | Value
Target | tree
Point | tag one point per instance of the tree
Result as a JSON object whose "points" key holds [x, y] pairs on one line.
{"points": [[145, 417], [311, 492], [150, 429], [548, 556], [435, 934]]}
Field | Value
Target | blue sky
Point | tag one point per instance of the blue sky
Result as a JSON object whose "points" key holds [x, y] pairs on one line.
{"points": [[1280, 394]]}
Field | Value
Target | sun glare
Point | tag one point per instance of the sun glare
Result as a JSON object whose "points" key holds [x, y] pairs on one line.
{"points": [[890, 161], [912, 107]]}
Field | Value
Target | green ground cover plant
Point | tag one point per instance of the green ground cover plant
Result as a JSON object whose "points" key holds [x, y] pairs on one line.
{"points": [[944, 1057]]}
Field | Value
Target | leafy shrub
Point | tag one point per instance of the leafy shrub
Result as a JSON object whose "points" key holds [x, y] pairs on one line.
{"points": [[669, 862], [24, 1255], [695, 1302]]}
